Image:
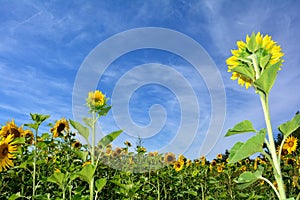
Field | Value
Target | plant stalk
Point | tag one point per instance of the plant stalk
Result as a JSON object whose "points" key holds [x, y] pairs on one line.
{"points": [[272, 148]]}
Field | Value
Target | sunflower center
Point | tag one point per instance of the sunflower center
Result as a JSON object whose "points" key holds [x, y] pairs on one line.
{"points": [[3, 150], [291, 143], [15, 132], [61, 127]]}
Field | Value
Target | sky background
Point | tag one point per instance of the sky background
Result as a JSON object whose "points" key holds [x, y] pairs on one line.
{"points": [[44, 43]]}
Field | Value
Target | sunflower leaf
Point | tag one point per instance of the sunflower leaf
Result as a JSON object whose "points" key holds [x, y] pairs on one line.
{"points": [[266, 81], [289, 127], [87, 172], [248, 178], [100, 183], [57, 178], [242, 127], [82, 130], [243, 150], [109, 138]]}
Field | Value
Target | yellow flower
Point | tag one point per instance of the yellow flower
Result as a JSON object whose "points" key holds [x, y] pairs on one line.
{"points": [[188, 162], [243, 168], [169, 158], [181, 157], [290, 144], [28, 135], [220, 167], [76, 144], [7, 148], [96, 100], [59, 127], [11, 128], [178, 165], [241, 63], [295, 181], [219, 156], [86, 163], [127, 143], [56, 170]]}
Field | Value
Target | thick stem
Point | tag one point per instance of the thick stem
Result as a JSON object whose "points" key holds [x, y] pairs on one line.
{"points": [[272, 148], [34, 164], [93, 154]]}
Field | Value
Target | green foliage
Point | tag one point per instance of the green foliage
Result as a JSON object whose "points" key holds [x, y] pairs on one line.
{"points": [[242, 127], [289, 127], [109, 138], [82, 130], [243, 150]]}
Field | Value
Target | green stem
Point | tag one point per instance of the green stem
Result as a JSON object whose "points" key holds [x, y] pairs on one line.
{"points": [[93, 154], [34, 163], [274, 188], [272, 148]]}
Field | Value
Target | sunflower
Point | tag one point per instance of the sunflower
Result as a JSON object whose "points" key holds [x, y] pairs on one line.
{"points": [[60, 126], [76, 144], [96, 100], [290, 144], [169, 158], [7, 148], [220, 167], [11, 128], [178, 165], [28, 135], [188, 162], [127, 143], [219, 156], [181, 158], [252, 57]]}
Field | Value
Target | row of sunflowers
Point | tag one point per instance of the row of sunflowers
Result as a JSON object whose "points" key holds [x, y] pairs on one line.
{"points": [[130, 172]]}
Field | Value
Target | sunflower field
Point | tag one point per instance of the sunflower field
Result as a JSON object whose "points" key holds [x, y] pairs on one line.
{"points": [[55, 165]]}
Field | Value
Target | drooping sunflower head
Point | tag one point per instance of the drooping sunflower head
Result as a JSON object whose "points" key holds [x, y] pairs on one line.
{"points": [[7, 148], [96, 100], [169, 158], [252, 57], [60, 126], [11, 128], [290, 144]]}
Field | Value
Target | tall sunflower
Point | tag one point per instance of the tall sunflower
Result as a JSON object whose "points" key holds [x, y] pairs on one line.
{"points": [[252, 57], [290, 144], [96, 100], [11, 128], [178, 165], [60, 126], [7, 148]]}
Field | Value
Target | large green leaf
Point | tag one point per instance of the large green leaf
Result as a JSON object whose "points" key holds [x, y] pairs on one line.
{"points": [[243, 150], [87, 172], [289, 127], [248, 178], [82, 130], [242, 127], [57, 178], [109, 138], [100, 183], [267, 79], [104, 111]]}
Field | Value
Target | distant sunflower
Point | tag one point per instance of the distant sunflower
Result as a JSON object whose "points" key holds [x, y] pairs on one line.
{"points": [[76, 144], [219, 156], [169, 158], [7, 148], [178, 165], [220, 167], [96, 100], [28, 135], [290, 144], [188, 163], [258, 50], [60, 126], [11, 128]]}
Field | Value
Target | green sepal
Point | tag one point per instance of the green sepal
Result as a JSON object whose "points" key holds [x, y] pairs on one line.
{"points": [[267, 79], [251, 44], [243, 150], [242, 127], [289, 127], [264, 61], [248, 72]]}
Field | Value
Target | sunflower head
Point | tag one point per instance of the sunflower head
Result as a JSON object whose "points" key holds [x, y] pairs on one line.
{"points": [[28, 135], [252, 57], [290, 144], [169, 158], [178, 165], [96, 100], [60, 126], [76, 144], [7, 148], [11, 128]]}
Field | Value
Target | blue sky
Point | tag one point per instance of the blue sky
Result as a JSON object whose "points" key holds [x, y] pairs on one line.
{"points": [[44, 44]]}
